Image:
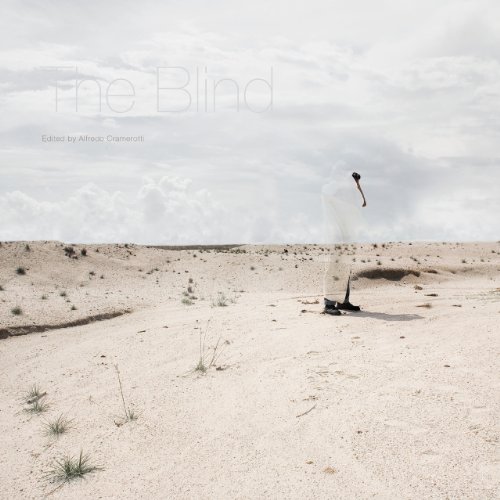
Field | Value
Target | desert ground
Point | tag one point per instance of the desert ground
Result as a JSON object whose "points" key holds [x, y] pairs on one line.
{"points": [[236, 386]]}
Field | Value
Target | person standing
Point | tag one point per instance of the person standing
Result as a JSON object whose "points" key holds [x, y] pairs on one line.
{"points": [[343, 222]]}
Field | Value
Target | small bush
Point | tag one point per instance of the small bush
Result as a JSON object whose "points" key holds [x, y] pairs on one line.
{"points": [[21, 271], [63, 294], [38, 406], [83, 252], [16, 311], [35, 399], [33, 393], [69, 251], [220, 301], [207, 360], [201, 367], [58, 426], [67, 468], [187, 301]]}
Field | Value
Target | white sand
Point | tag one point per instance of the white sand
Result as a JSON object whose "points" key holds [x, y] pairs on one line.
{"points": [[405, 399]]}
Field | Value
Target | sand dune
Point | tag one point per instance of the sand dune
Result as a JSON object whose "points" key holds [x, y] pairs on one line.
{"points": [[398, 401]]}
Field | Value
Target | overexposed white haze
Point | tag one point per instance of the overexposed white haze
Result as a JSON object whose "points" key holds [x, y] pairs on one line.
{"points": [[406, 93]]}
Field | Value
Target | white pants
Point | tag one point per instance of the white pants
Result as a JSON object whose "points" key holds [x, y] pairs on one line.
{"points": [[342, 224]]}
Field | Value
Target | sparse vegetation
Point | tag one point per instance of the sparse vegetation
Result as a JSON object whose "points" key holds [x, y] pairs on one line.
{"points": [[33, 393], [44, 297], [35, 398], [67, 468], [38, 403], [69, 252], [220, 300], [129, 415], [16, 311], [63, 294], [200, 367], [21, 271], [187, 301], [83, 252], [73, 307], [208, 359], [57, 427]]}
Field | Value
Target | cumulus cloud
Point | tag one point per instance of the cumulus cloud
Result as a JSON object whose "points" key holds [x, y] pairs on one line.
{"points": [[163, 211], [394, 92]]}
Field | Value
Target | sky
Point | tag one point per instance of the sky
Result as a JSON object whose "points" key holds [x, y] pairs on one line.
{"points": [[406, 93]]}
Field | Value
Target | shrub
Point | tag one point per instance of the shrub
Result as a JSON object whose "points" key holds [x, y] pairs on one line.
{"points": [[67, 468], [58, 426], [69, 251], [220, 301]]}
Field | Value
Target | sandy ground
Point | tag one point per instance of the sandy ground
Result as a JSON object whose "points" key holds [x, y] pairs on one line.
{"points": [[396, 402]]}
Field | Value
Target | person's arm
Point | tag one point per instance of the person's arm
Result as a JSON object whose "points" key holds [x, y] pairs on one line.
{"points": [[361, 191]]}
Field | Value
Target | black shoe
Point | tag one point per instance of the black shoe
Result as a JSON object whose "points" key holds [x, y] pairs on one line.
{"points": [[347, 306], [330, 308], [333, 311]]}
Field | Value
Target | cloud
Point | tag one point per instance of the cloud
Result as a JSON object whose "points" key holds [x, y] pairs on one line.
{"points": [[163, 211], [406, 94]]}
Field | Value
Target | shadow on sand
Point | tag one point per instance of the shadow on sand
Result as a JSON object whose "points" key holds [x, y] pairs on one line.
{"points": [[386, 317]]}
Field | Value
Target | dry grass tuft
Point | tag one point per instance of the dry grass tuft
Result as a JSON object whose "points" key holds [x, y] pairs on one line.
{"points": [[67, 468], [56, 427]]}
